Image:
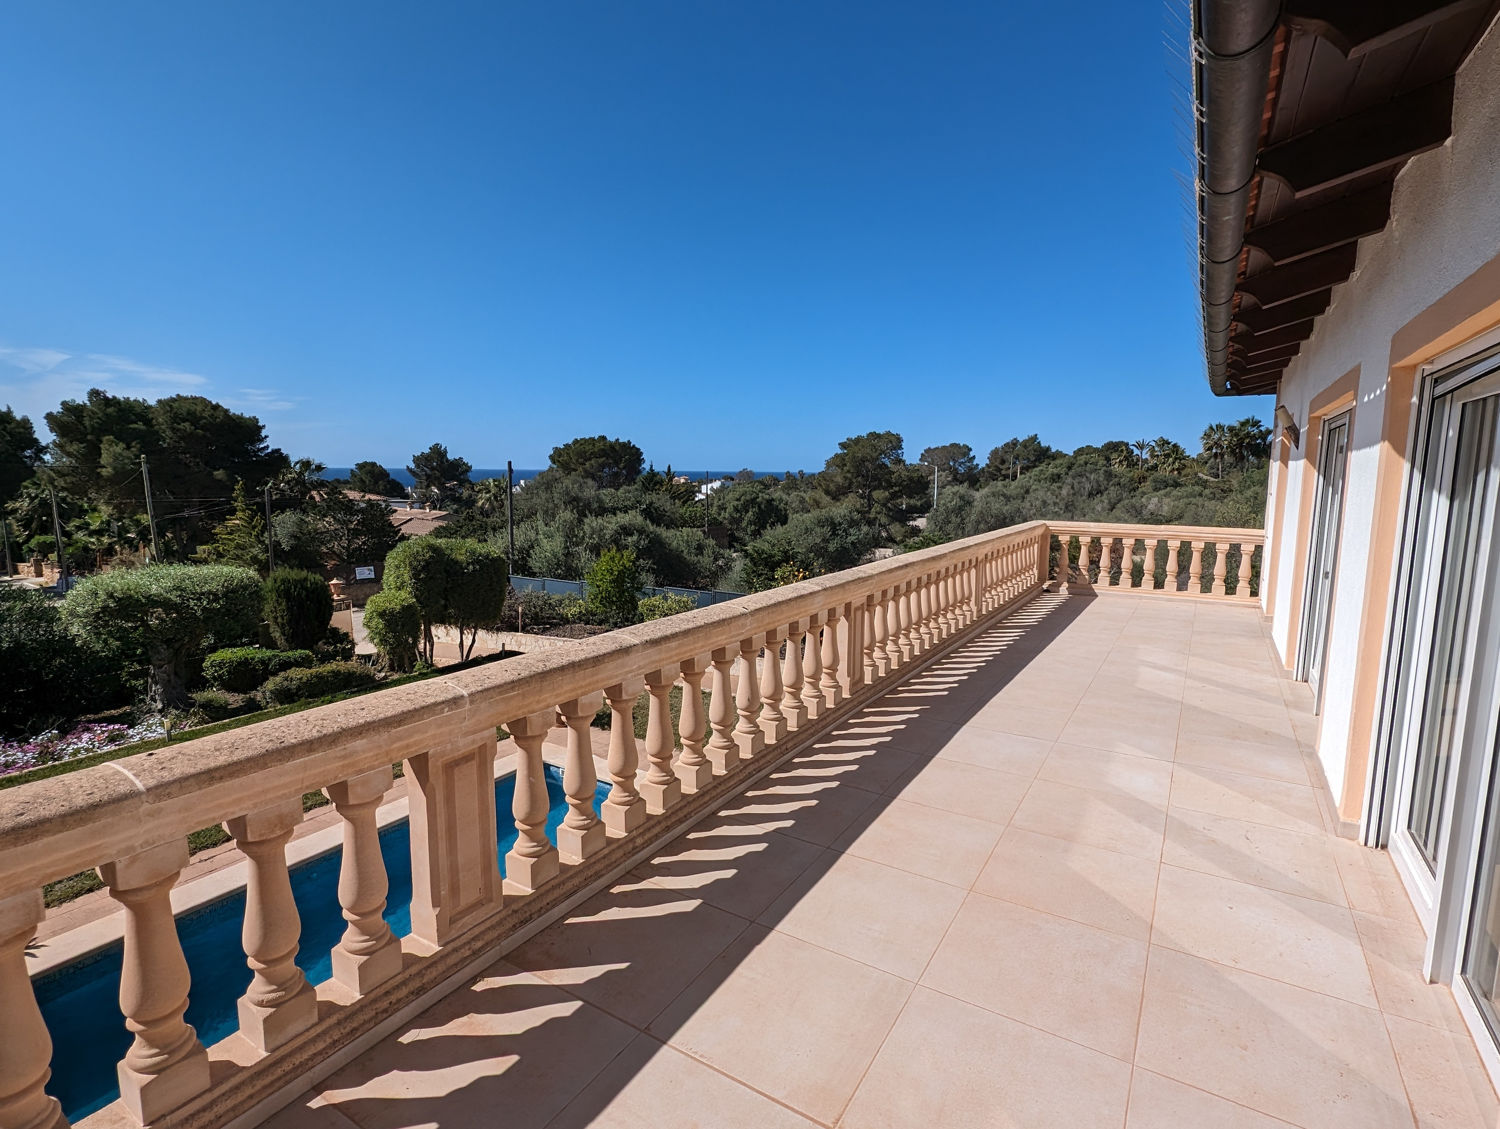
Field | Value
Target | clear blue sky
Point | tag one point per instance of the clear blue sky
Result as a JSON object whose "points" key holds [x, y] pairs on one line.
{"points": [[733, 232]]}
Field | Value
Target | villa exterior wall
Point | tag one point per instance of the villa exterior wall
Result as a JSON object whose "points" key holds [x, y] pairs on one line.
{"points": [[1427, 283]]}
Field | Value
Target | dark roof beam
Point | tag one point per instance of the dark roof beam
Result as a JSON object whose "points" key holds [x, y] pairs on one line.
{"points": [[1357, 27], [1382, 137], [1327, 225], [1257, 320], [1266, 356], [1282, 335], [1302, 276]]}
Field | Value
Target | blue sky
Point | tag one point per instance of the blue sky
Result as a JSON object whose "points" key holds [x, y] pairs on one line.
{"points": [[733, 232]]}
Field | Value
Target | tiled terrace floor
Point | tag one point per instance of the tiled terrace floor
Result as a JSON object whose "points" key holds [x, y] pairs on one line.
{"points": [[1075, 876]]}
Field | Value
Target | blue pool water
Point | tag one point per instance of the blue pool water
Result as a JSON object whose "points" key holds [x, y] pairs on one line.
{"points": [[80, 1001]]}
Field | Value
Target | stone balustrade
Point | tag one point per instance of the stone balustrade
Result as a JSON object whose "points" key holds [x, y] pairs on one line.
{"points": [[1215, 563], [780, 667]]}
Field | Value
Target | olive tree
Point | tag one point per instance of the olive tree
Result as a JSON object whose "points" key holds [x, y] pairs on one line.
{"points": [[163, 617]]}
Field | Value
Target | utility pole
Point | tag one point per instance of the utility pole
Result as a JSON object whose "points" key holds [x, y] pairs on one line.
{"points": [[270, 546], [62, 554], [934, 485], [510, 515], [5, 533], [150, 512]]}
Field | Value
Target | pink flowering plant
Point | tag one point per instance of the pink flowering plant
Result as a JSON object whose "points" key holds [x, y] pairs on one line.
{"points": [[55, 746]]}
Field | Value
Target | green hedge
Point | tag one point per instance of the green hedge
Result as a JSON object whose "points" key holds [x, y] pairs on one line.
{"points": [[314, 682], [298, 606], [242, 669]]}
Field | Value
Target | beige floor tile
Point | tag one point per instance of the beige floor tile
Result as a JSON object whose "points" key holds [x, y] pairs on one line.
{"points": [[1274, 762], [310, 1111], [630, 952], [1101, 731], [952, 1065], [792, 1020], [1370, 881], [1025, 721], [1269, 727], [1308, 1058], [818, 814], [964, 789], [1111, 820], [506, 1042], [1299, 940], [1144, 777], [869, 912], [990, 748], [1444, 1078], [1160, 1103], [743, 874], [1250, 798], [1394, 951], [1097, 887], [923, 840], [652, 1086], [873, 768], [1291, 861], [1070, 979]]}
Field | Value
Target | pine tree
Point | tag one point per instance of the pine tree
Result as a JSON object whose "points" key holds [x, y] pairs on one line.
{"points": [[241, 538]]}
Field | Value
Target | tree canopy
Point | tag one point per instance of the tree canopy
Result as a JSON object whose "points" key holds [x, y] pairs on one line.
{"points": [[611, 463], [20, 451], [439, 475], [369, 477]]}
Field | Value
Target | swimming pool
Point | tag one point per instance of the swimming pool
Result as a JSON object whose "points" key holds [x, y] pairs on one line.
{"points": [[80, 1001]]}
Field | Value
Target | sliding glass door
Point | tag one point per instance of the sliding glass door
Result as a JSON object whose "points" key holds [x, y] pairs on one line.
{"points": [[1328, 517]]}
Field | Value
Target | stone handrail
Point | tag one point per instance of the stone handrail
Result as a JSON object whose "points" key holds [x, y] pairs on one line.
{"points": [[1205, 561], [828, 645]]}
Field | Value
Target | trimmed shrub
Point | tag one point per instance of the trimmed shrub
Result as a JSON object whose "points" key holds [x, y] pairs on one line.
{"points": [[298, 606], [216, 705], [422, 569], [49, 676], [395, 626], [613, 588], [317, 682], [659, 607], [337, 646], [163, 618], [242, 669]]}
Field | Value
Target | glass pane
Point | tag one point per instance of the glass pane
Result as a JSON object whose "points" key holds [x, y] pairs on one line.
{"points": [[1446, 675], [1481, 967]]}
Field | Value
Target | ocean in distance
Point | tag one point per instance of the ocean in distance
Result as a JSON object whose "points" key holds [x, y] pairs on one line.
{"points": [[479, 474]]}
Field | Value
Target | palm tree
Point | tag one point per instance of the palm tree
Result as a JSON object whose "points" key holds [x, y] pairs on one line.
{"points": [[1249, 439], [1167, 456], [490, 497], [1141, 447], [1215, 440]]}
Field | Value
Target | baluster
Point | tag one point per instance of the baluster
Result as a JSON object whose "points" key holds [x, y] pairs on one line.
{"points": [[880, 655], [661, 788], [368, 953], [973, 592], [1156, 548], [793, 709], [747, 733], [921, 613], [1063, 573], [279, 1002], [1177, 566], [833, 693], [948, 601], [1195, 570], [26, 1049], [908, 634], [1221, 566], [722, 751], [580, 833], [812, 669], [693, 768], [773, 723], [893, 630], [533, 860], [623, 808], [1085, 563], [166, 1064], [869, 645]]}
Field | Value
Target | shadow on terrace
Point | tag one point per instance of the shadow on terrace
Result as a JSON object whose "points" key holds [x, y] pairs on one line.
{"points": [[1072, 873]]}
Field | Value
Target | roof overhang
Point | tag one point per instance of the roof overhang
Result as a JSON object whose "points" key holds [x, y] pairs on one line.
{"points": [[1306, 110]]}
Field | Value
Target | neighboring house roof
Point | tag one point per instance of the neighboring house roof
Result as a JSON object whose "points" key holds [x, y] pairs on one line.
{"points": [[1306, 111], [418, 523]]}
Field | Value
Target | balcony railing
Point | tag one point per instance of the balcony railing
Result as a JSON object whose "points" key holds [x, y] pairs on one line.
{"points": [[780, 667]]}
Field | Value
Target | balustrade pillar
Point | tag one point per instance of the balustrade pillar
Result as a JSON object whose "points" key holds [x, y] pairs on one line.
{"points": [[455, 880], [1063, 574], [661, 788], [624, 809], [533, 861], [166, 1065], [368, 953], [26, 1049], [279, 1003], [893, 658], [1085, 551], [722, 750], [1195, 570], [812, 670], [793, 708], [833, 692], [773, 723], [1221, 568], [880, 656], [747, 734], [580, 834], [1148, 574], [693, 768], [1177, 567], [907, 616]]}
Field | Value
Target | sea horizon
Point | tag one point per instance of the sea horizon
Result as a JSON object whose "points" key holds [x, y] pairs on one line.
{"points": [[522, 474]]}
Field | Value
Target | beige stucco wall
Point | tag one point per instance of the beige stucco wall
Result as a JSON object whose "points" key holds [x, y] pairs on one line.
{"points": [[1444, 230]]}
